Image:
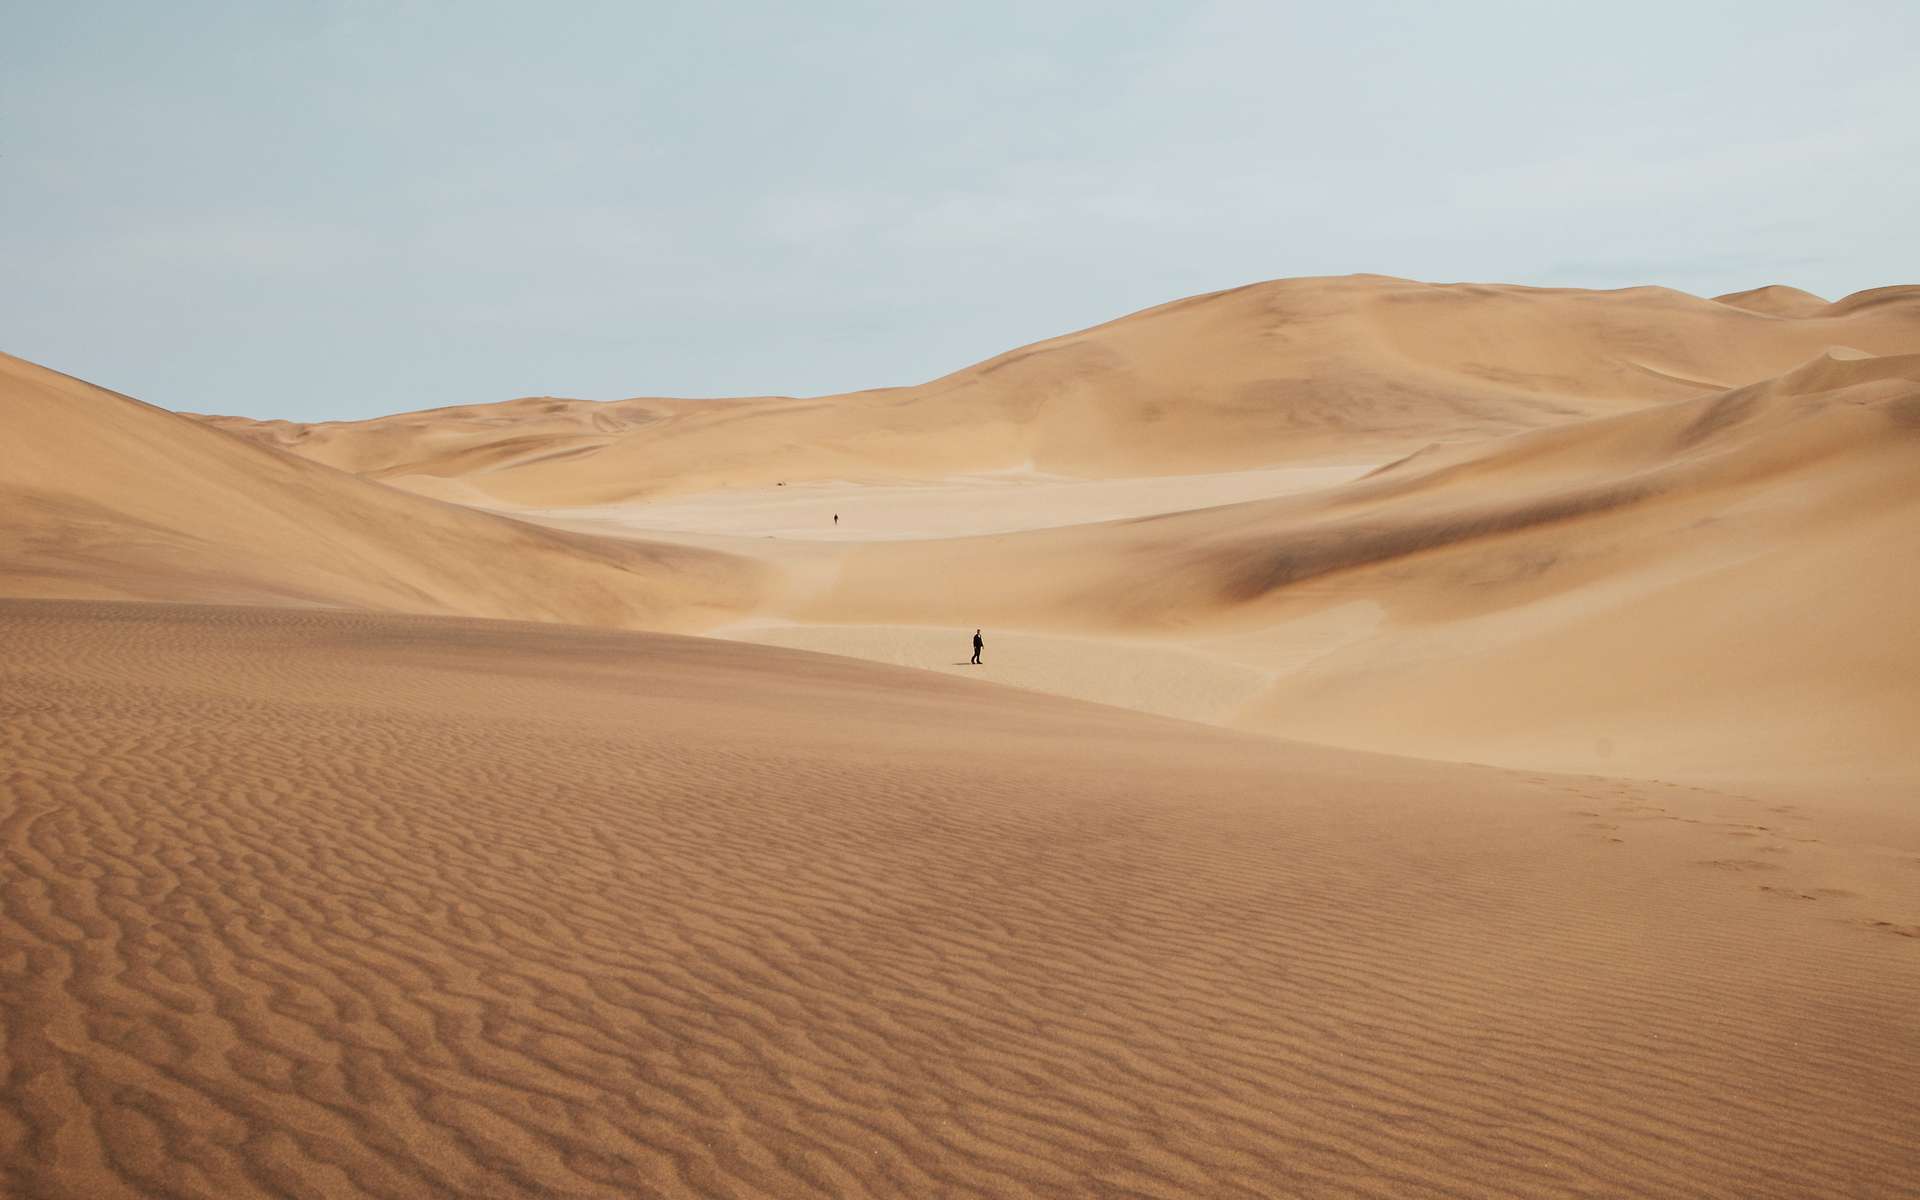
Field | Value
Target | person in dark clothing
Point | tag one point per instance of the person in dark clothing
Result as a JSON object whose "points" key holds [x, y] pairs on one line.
{"points": [[977, 644]]}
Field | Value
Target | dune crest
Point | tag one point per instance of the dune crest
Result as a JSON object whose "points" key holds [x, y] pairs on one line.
{"points": [[1775, 300]]}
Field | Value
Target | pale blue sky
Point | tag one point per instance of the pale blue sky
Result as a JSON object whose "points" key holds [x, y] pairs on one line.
{"points": [[322, 210]]}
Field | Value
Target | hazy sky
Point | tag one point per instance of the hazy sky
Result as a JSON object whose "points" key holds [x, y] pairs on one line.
{"points": [[321, 210]]}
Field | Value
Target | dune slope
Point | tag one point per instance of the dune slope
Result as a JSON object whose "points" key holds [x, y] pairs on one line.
{"points": [[102, 496], [1348, 369], [308, 903], [1715, 587]]}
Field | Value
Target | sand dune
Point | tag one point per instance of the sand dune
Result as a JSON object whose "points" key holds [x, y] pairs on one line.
{"points": [[1298, 371], [1521, 599], [102, 496], [347, 905], [301, 902], [1717, 567]]}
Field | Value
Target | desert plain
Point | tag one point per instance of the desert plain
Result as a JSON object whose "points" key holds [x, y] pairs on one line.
{"points": [[1432, 740]]}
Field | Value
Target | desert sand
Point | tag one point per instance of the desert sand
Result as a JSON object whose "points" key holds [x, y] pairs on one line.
{"points": [[1432, 740], [320, 903]]}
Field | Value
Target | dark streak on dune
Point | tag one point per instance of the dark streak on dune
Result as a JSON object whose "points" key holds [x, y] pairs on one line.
{"points": [[1322, 552], [1723, 412]]}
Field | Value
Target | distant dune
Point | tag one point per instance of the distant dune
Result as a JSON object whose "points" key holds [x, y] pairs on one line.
{"points": [[1292, 371]]}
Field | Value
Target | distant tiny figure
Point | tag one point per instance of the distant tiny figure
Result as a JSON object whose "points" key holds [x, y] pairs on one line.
{"points": [[836, 518], [977, 644]]}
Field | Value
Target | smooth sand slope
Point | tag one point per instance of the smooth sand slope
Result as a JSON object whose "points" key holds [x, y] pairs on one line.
{"points": [[103, 496], [318, 904], [1298, 371]]}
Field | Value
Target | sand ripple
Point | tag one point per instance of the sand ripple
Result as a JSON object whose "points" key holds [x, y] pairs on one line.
{"points": [[304, 904]]}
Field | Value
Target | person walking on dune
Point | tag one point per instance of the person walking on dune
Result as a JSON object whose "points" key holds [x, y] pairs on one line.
{"points": [[977, 644]]}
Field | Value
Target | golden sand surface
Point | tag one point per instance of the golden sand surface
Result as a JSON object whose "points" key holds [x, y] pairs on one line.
{"points": [[305, 903], [1432, 740]]}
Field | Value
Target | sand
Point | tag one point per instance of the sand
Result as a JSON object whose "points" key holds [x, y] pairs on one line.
{"points": [[1433, 740], [337, 904]]}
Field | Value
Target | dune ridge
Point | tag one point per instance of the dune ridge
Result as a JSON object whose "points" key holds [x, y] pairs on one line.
{"points": [[1291, 371]]}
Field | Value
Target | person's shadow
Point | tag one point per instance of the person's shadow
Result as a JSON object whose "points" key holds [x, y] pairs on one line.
{"points": [[967, 663]]}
